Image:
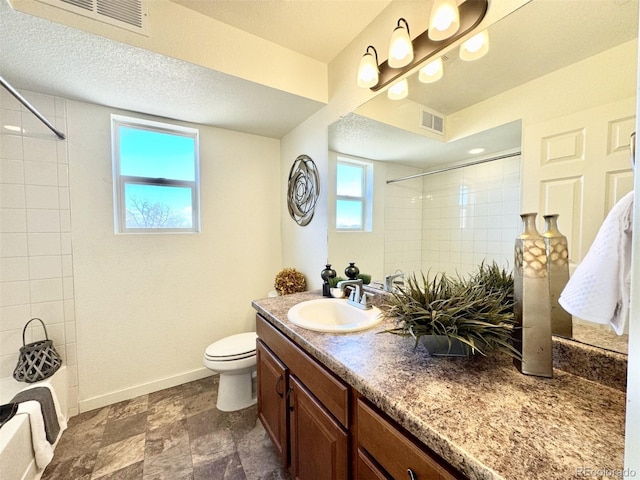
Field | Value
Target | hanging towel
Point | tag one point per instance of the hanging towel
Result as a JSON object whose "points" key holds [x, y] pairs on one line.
{"points": [[599, 289], [44, 396], [62, 416], [42, 448]]}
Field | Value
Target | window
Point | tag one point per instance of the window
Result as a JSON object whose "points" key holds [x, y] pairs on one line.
{"points": [[353, 195], [155, 177]]}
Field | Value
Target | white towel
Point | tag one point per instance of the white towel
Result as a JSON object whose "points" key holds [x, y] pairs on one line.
{"points": [[42, 448], [599, 289], [62, 419]]}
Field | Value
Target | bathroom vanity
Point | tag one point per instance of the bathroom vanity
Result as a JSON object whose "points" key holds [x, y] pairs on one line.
{"points": [[367, 405]]}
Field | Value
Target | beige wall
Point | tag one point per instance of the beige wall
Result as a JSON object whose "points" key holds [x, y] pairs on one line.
{"points": [[148, 305], [305, 248]]}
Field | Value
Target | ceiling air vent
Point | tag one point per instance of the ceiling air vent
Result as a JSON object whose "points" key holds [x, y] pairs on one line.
{"points": [[432, 121], [129, 14]]}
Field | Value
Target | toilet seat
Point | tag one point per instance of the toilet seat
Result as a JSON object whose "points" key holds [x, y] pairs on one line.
{"points": [[235, 347]]}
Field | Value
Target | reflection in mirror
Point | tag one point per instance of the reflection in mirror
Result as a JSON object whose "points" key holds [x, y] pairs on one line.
{"points": [[558, 85]]}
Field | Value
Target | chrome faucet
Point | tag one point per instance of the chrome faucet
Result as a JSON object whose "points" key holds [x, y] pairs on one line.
{"points": [[357, 298], [388, 280]]}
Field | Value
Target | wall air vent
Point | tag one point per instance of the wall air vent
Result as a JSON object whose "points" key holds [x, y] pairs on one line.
{"points": [[128, 14], [432, 121]]}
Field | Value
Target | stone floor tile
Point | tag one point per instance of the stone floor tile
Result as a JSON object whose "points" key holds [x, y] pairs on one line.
{"points": [[129, 407], [207, 384], [212, 447], [161, 395], [119, 455], [165, 412], [167, 437], [199, 402], [79, 467], [131, 472], [126, 427], [173, 463], [226, 468]]}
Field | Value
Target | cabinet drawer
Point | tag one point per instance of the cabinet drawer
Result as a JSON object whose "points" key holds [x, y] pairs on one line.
{"points": [[367, 470], [393, 450], [332, 392]]}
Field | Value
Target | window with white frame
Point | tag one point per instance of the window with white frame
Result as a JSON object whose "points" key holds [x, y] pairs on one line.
{"points": [[354, 193], [155, 176]]}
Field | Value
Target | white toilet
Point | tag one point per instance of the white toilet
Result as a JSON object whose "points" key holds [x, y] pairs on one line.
{"points": [[234, 358]]}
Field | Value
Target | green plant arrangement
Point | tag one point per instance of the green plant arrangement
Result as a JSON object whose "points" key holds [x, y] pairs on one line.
{"points": [[365, 277], [289, 280], [476, 311]]}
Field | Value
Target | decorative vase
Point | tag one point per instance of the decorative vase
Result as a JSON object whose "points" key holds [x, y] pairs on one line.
{"points": [[532, 309], [558, 274], [352, 271], [443, 346], [327, 274]]}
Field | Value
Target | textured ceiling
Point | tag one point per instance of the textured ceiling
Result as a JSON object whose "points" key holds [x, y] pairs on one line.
{"points": [[47, 57], [319, 29]]}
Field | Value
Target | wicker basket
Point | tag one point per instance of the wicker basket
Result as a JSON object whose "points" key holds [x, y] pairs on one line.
{"points": [[37, 360]]}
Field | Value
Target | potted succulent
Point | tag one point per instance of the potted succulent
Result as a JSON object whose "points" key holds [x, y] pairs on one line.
{"points": [[456, 316]]}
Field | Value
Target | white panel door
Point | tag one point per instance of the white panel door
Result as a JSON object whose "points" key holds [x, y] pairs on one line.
{"points": [[578, 166]]}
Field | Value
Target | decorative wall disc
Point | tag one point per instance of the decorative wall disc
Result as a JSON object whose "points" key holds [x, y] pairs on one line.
{"points": [[303, 190]]}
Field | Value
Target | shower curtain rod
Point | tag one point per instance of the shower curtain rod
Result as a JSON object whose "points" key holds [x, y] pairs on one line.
{"points": [[455, 167], [31, 108]]}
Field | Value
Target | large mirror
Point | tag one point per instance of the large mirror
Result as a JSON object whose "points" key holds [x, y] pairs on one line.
{"points": [[436, 206]]}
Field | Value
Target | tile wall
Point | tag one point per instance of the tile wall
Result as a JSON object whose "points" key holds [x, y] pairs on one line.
{"points": [[36, 268], [454, 220], [403, 221]]}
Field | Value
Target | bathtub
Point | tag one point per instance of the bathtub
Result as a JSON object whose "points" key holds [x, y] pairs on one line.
{"points": [[17, 461]]}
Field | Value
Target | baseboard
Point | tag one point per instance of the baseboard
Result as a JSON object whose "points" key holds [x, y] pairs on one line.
{"points": [[129, 393]]}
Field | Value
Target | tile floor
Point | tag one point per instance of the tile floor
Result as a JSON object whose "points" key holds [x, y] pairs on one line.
{"points": [[173, 434]]}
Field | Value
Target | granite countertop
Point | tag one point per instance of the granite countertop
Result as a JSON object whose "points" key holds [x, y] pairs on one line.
{"points": [[479, 414]]}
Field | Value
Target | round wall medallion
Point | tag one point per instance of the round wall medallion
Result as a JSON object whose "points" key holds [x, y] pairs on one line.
{"points": [[303, 190]]}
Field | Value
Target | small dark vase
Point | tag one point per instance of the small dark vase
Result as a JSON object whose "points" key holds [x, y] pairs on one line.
{"points": [[327, 274], [352, 271]]}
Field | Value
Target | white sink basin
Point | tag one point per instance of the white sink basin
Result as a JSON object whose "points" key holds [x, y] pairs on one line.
{"points": [[333, 315]]}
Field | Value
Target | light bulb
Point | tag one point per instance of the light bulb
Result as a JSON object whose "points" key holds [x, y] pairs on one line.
{"points": [[476, 47], [431, 72], [368, 72], [444, 21], [399, 90], [400, 46]]}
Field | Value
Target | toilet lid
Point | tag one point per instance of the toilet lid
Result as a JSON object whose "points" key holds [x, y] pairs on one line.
{"points": [[235, 347]]}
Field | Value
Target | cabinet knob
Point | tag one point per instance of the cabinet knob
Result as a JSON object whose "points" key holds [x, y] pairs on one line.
{"points": [[280, 379], [412, 476]]}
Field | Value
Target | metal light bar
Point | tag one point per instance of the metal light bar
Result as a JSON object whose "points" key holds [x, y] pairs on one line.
{"points": [[471, 14]]}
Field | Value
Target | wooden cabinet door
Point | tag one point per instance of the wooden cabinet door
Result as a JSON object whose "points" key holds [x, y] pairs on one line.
{"points": [[318, 443], [272, 401]]}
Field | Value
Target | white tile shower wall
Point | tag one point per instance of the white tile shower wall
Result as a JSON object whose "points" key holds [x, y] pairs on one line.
{"points": [[36, 274], [469, 215], [403, 221]]}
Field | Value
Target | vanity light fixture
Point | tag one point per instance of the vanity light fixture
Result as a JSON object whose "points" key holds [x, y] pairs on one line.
{"points": [[476, 47], [368, 72], [431, 72], [400, 46], [413, 53], [398, 91], [444, 21]]}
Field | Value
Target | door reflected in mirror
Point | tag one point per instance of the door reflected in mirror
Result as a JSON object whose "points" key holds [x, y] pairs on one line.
{"points": [[559, 86]]}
